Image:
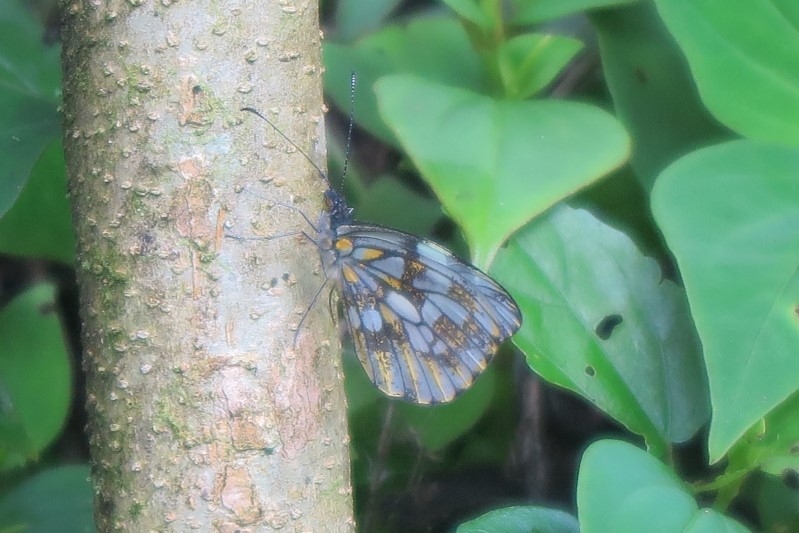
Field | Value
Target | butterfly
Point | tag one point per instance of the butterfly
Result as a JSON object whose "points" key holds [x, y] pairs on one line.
{"points": [[424, 322]]}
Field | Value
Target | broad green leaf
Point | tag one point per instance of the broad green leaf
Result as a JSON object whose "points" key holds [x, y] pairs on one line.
{"points": [[742, 54], [34, 365], [529, 62], [522, 520], [599, 319], [438, 425], [356, 18], [535, 11], [729, 214], [425, 47], [777, 504], [388, 202], [474, 12], [768, 446], [29, 83], [789, 9], [623, 489], [385, 200], [621, 196], [15, 442], [612, 475], [496, 164], [653, 92], [39, 224], [55, 500], [775, 450], [711, 521]]}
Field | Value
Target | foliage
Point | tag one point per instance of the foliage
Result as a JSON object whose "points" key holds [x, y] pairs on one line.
{"points": [[35, 368], [706, 91], [58, 499], [550, 183]]}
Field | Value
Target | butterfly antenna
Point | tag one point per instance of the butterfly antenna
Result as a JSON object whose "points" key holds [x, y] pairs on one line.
{"points": [[258, 114], [349, 129]]}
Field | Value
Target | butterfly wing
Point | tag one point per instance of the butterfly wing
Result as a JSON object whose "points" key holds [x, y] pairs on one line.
{"points": [[424, 322]]}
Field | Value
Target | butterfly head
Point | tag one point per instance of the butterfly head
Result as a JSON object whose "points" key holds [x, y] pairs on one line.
{"points": [[337, 208]]}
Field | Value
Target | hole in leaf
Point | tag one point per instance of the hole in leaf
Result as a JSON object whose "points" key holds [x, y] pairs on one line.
{"points": [[790, 478], [606, 326]]}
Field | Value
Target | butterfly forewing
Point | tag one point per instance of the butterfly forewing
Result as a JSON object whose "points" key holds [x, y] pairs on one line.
{"points": [[424, 322]]}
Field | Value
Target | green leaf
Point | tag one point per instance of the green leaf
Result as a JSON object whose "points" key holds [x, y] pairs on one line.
{"points": [[653, 92], [742, 54], [769, 446], [41, 213], [522, 520], [437, 426], [710, 521], [600, 320], [473, 12], [529, 12], [623, 489], [529, 62], [29, 98], [729, 214], [496, 164], [34, 367], [15, 443], [775, 449], [385, 199], [59, 499], [356, 18], [425, 47], [777, 504], [388, 202]]}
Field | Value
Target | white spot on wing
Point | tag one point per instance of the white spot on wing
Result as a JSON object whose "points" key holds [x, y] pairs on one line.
{"points": [[371, 321], [403, 307], [416, 338], [393, 266], [434, 253], [431, 281], [452, 309], [430, 312]]}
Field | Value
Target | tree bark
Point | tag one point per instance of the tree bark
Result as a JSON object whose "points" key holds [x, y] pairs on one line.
{"points": [[205, 414]]}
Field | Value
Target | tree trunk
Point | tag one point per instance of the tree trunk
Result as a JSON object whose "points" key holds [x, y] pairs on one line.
{"points": [[205, 414]]}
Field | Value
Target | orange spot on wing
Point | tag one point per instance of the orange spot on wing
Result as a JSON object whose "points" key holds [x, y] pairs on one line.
{"points": [[372, 253], [343, 245], [349, 274]]}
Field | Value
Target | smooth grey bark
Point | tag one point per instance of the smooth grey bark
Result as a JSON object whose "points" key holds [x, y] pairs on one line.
{"points": [[205, 414]]}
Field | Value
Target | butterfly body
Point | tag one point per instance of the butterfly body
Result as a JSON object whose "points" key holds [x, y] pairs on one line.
{"points": [[424, 323]]}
